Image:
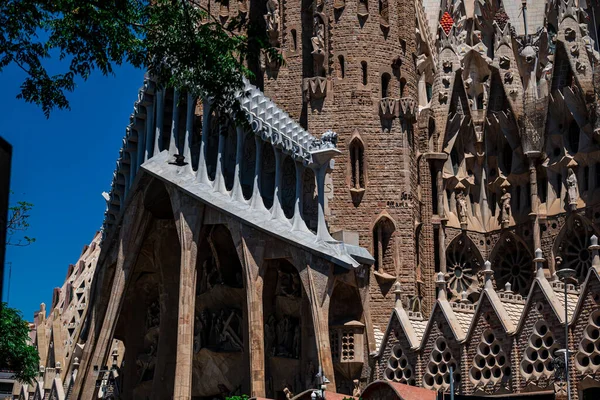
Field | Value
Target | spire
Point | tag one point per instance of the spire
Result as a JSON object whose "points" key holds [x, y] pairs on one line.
{"points": [[441, 285], [488, 273], [594, 247], [397, 293], [539, 263]]}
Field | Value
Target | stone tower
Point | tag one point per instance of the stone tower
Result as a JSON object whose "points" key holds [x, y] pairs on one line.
{"points": [[349, 66]]}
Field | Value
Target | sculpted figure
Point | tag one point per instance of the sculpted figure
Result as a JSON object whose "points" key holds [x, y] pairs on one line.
{"points": [[272, 17], [356, 390], [318, 39], [461, 206], [572, 187], [505, 210]]}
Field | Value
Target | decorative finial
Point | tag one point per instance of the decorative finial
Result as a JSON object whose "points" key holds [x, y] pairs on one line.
{"points": [[397, 292], [441, 285], [464, 297], [488, 273], [539, 263], [508, 287], [594, 249]]}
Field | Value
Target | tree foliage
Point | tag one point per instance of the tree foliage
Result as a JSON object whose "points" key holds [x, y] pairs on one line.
{"points": [[16, 352], [177, 41], [17, 224]]}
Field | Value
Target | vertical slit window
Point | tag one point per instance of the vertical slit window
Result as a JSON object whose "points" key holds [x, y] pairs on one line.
{"points": [[357, 164], [364, 72], [342, 65], [385, 83], [294, 40]]}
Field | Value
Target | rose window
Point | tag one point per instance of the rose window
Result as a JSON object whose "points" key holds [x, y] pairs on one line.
{"points": [[537, 360], [588, 355], [437, 373], [463, 265], [514, 265], [398, 368], [573, 249], [490, 364]]}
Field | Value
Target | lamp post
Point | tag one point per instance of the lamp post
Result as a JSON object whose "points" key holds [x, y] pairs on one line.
{"points": [[565, 274]]}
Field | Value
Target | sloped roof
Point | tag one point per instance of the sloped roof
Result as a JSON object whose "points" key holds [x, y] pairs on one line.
{"points": [[404, 392]]}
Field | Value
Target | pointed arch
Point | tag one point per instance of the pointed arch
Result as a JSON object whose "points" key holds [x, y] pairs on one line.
{"points": [[383, 245], [512, 263], [571, 246], [464, 262], [356, 158]]}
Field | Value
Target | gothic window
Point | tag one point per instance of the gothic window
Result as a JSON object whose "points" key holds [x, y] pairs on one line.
{"points": [[382, 245], [573, 248], [513, 264], [385, 85], [294, 40], [463, 264], [574, 136], [363, 65], [357, 164], [342, 66], [384, 13]]}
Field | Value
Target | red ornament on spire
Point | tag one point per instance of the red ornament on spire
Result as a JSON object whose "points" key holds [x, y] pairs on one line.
{"points": [[446, 22]]}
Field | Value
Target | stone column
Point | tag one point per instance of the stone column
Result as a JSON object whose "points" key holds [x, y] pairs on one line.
{"points": [[189, 132], [202, 174], [219, 183], [132, 234], [188, 215], [298, 223], [252, 260], [149, 131], [256, 202], [237, 193], [319, 297], [442, 247], [173, 145], [276, 210], [322, 231], [535, 209], [160, 114]]}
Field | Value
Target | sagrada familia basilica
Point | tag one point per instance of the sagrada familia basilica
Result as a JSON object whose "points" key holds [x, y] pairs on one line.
{"points": [[414, 210]]}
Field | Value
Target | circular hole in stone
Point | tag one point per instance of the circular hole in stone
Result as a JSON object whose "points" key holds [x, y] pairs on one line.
{"points": [[447, 378], [496, 349], [537, 342], [584, 361], [544, 354], [487, 374], [397, 351], [596, 359], [553, 225], [539, 366], [398, 374], [437, 357], [393, 363], [403, 362], [489, 337], [501, 360], [484, 350], [476, 374], [407, 373], [488, 242], [596, 316], [548, 341], [443, 368], [481, 242], [433, 368], [588, 347], [544, 228], [549, 366], [447, 356], [441, 344], [428, 380], [528, 368], [439, 380], [491, 361], [480, 361], [497, 372], [389, 374], [593, 333], [542, 329]]}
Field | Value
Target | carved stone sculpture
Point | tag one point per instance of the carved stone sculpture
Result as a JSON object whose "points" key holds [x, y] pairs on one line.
{"points": [[356, 390], [505, 209], [272, 21], [318, 44], [461, 207], [572, 189]]}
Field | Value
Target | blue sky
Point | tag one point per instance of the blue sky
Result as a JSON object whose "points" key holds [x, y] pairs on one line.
{"points": [[61, 165]]}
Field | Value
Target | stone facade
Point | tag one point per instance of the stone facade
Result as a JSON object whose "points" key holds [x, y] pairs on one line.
{"points": [[417, 240]]}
